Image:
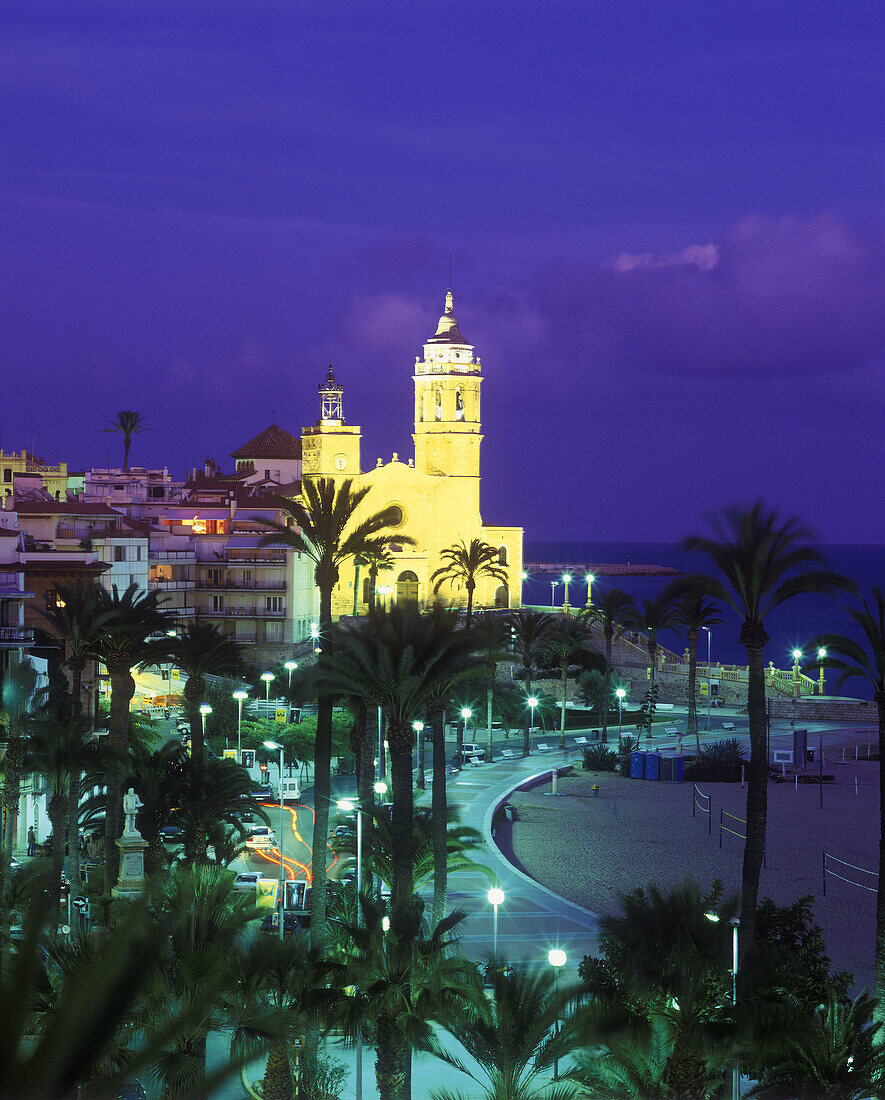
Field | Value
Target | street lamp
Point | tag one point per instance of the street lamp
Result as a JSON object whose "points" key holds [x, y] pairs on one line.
{"points": [[797, 657], [418, 727], [532, 702], [553, 585], [821, 654], [350, 807], [290, 667], [384, 590], [566, 580], [268, 678], [590, 578], [557, 958], [240, 697], [735, 925], [276, 746], [621, 693], [380, 788], [169, 634], [205, 710], [496, 898], [466, 713], [709, 634]]}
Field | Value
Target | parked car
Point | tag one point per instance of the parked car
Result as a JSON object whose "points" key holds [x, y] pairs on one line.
{"points": [[344, 831], [472, 751], [171, 834], [262, 793], [247, 881], [261, 836]]}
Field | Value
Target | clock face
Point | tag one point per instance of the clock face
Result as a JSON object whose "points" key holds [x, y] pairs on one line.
{"points": [[339, 462]]}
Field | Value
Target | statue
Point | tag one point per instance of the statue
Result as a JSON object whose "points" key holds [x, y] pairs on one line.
{"points": [[131, 805]]}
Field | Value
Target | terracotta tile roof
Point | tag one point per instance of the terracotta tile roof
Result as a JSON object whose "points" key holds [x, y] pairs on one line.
{"points": [[273, 442]]}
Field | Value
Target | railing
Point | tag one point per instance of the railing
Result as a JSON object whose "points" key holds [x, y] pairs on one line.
{"points": [[249, 586], [16, 635], [234, 612], [172, 586], [172, 555]]}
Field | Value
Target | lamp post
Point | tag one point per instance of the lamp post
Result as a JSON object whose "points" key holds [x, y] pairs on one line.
{"points": [[205, 711], [557, 958], [384, 590], [496, 898], [735, 925], [169, 634], [466, 713], [566, 580], [709, 634], [532, 702], [590, 578], [350, 806], [279, 747], [620, 692], [290, 667], [418, 727], [240, 697], [268, 678], [553, 585], [821, 654], [797, 657]]}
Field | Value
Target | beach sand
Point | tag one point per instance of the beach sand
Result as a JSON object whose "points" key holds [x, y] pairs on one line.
{"points": [[591, 850]]}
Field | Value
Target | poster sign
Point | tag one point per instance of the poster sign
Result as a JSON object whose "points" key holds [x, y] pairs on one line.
{"points": [[281, 714], [267, 893], [247, 758], [230, 754]]}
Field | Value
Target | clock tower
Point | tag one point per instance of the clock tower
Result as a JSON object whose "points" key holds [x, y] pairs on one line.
{"points": [[330, 448], [447, 404]]}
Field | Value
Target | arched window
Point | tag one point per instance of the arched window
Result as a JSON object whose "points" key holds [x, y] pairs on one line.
{"points": [[502, 596], [438, 405], [502, 555], [367, 589], [459, 403]]}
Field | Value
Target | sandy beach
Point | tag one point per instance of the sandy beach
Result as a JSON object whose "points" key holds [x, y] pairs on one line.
{"points": [[592, 849]]}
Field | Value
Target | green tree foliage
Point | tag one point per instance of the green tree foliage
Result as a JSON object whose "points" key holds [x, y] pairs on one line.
{"points": [[464, 564], [127, 424]]}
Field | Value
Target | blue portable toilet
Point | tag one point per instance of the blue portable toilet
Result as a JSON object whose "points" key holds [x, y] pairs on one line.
{"points": [[637, 765], [652, 765], [677, 769]]}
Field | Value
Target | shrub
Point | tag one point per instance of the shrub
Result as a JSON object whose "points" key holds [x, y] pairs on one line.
{"points": [[599, 758], [626, 744], [720, 762]]}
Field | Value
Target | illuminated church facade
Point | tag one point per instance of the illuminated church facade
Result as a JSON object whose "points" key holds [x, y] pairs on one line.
{"points": [[436, 493]]}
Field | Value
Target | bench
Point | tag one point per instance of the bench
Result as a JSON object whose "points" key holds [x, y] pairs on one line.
{"points": [[475, 759], [580, 742], [541, 747], [508, 754], [672, 731], [728, 726]]}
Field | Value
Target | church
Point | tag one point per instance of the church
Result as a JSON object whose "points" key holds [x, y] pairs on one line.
{"points": [[436, 493]]}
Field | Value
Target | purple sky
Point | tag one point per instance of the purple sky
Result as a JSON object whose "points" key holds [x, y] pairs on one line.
{"points": [[666, 222]]}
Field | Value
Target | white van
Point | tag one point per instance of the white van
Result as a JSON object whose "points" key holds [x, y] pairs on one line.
{"points": [[474, 752], [290, 792]]}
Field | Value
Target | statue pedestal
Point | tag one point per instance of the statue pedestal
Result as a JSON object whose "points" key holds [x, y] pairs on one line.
{"points": [[131, 879]]}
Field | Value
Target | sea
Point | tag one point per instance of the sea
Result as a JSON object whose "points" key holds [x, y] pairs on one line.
{"points": [[791, 626]]}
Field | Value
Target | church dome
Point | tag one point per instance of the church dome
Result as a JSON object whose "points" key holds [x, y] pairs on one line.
{"points": [[447, 331]]}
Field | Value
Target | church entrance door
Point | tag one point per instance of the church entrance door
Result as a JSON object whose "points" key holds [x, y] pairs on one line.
{"points": [[407, 587]]}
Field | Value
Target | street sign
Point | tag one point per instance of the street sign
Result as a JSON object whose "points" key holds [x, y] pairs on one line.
{"points": [[66, 930], [80, 903]]}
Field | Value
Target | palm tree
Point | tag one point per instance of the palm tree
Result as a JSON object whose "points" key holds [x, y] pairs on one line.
{"points": [[324, 525], [630, 1066], [569, 642], [216, 794], [159, 778], [75, 620], [493, 635], [514, 1039], [694, 612], [376, 561], [834, 1053], [127, 424], [650, 619], [404, 979], [128, 621], [529, 631], [763, 562], [399, 662], [608, 611], [463, 564], [857, 661], [203, 650]]}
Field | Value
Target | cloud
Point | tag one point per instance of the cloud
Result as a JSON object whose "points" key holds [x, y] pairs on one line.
{"points": [[769, 296]]}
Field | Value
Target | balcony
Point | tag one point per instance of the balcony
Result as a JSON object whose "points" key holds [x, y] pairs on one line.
{"points": [[155, 554], [16, 636], [11, 586], [237, 612], [171, 586], [243, 586]]}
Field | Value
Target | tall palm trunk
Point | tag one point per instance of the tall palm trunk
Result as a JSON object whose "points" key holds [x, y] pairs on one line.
{"points": [[76, 666], [388, 1062], [490, 688], [530, 713], [400, 740], [471, 585], [563, 684], [421, 780], [12, 762], [607, 678], [439, 808], [880, 893], [692, 726], [194, 691], [122, 691], [753, 637], [57, 812]]}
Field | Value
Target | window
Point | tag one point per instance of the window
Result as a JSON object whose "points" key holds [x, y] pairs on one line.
{"points": [[273, 604], [439, 404], [119, 553], [273, 632], [459, 403], [138, 551], [217, 604], [502, 555], [7, 475], [267, 475]]}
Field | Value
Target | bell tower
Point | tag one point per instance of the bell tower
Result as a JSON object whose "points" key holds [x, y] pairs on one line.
{"points": [[330, 448], [447, 380]]}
